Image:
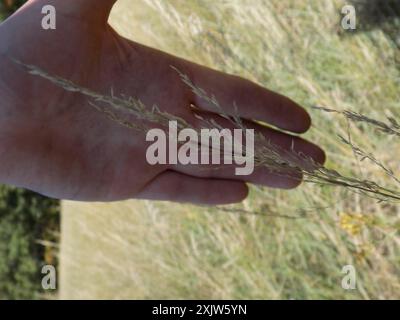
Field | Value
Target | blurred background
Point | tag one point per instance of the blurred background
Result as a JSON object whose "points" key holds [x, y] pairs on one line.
{"points": [[276, 244]]}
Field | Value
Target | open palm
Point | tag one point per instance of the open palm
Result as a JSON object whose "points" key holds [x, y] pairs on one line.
{"points": [[53, 142]]}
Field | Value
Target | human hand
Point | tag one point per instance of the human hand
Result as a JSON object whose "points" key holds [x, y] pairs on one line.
{"points": [[53, 142]]}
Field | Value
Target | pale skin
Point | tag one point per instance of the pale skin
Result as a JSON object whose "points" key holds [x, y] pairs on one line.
{"points": [[53, 142]]}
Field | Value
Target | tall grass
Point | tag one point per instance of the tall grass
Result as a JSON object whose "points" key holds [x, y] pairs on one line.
{"points": [[277, 244]]}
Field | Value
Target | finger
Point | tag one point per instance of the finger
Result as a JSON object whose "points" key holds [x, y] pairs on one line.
{"points": [[252, 101], [278, 177], [284, 142], [263, 176], [178, 187]]}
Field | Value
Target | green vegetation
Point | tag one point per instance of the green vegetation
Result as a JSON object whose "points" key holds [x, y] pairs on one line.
{"points": [[27, 222], [7, 7]]}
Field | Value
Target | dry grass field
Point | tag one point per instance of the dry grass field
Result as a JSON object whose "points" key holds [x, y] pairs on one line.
{"points": [[276, 244]]}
